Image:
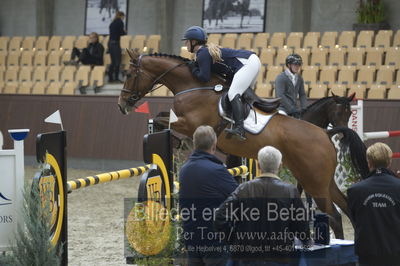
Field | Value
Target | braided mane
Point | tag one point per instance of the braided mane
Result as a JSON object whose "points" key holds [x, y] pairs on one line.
{"points": [[170, 56]]}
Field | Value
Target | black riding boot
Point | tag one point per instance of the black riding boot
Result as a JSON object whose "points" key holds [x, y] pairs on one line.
{"points": [[237, 113]]}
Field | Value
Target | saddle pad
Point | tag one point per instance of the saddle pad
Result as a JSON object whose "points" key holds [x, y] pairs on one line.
{"points": [[254, 123]]}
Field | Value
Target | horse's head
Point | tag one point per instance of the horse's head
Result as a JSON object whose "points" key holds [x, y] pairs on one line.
{"points": [[340, 114]]}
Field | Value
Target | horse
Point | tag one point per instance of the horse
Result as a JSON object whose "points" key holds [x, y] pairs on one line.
{"points": [[217, 9], [307, 149]]}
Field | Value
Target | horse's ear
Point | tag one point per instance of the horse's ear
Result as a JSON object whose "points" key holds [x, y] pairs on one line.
{"points": [[351, 97], [132, 54]]}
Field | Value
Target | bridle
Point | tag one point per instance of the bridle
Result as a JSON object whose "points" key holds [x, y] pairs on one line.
{"points": [[137, 95]]}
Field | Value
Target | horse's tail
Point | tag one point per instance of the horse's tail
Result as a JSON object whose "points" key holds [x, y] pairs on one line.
{"points": [[356, 146]]}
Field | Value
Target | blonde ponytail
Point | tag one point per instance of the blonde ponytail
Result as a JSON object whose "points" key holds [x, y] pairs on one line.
{"points": [[215, 52]]}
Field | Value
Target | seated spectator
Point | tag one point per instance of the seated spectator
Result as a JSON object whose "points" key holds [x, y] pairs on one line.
{"points": [[374, 208], [92, 55]]}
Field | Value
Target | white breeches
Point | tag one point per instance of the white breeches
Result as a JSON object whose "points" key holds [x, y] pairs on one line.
{"points": [[245, 77]]}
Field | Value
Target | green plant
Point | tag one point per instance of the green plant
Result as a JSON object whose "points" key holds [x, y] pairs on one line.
{"points": [[370, 11]]}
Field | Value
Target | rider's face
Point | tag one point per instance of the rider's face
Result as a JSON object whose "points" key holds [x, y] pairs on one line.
{"points": [[187, 43], [294, 68]]}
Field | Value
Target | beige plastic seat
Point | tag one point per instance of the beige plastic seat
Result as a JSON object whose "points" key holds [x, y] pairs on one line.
{"points": [[394, 92], [383, 39], [385, 75], [10, 87], [346, 39], [366, 75], [336, 56], [311, 41], [3, 58], [281, 56], [338, 89], [319, 56], [68, 42], [328, 39], [294, 40], [15, 43], [104, 41], [66, 56], [54, 88], [346, 75], [2, 84], [267, 56], [328, 75], [26, 58], [40, 58], [365, 38], [11, 74], [393, 57], [310, 74], [277, 40], [153, 44], [68, 74], [264, 90], [68, 88], [214, 38], [305, 54], [82, 42], [82, 76], [39, 74], [374, 56], [355, 56], [54, 43], [53, 74], [396, 39], [25, 87], [107, 59], [41, 43], [160, 92], [261, 75], [359, 89], [244, 41], [317, 91], [25, 74], [137, 43], [229, 40], [97, 76], [185, 53], [28, 43], [40, 87], [272, 73], [4, 43], [2, 70], [260, 41], [125, 42], [54, 58], [13, 58], [377, 91]]}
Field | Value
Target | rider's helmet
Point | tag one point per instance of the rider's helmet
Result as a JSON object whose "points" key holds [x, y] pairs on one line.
{"points": [[294, 59], [195, 33]]}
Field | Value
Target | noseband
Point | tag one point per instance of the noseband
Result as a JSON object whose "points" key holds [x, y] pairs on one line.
{"points": [[137, 95]]}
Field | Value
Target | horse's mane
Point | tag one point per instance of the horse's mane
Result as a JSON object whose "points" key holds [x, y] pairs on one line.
{"points": [[317, 104], [170, 56]]}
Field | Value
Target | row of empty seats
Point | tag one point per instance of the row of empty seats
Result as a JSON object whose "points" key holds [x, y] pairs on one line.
{"points": [[347, 39]]}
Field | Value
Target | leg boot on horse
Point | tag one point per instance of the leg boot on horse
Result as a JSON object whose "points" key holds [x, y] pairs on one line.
{"points": [[237, 113]]}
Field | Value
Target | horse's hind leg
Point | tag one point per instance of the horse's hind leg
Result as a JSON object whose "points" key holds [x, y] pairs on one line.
{"points": [[325, 204]]}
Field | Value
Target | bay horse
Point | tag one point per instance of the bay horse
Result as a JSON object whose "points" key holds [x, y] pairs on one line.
{"points": [[307, 149]]}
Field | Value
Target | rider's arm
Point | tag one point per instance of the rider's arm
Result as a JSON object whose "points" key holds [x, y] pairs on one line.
{"points": [[280, 89], [302, 94], [204, 60]]}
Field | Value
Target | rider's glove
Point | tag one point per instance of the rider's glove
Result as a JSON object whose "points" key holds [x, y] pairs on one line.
{"points": [[193, 65]]}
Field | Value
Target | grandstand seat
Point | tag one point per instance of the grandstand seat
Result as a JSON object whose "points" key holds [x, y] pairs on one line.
{"points": [[68, 42], [25, 87], [185, 53], [317, 91], [137, 43], [328, 75], [281, 56], [40, 58], [336, 56], [3, 58], [229, 40], [160, 92], [82, 76], [11, 74], [2, 70], [311, 41], [355, 56], [244, 41], [366, 75], [396, 39], [374, 56], [82, 42], [66, 56], [25, 73], [125, 42], [319, 56], [294, 40], [264, 90], [277, 40], [310, 74], [10, 87], [104, 41], [54, 88], [328, 39], [15, 43], [272, 73], [1, 86], [4, 43], [385, 75], [54, 43], [28, 43], [68, 88], [26, 58], [54, 58], [214, 38], [39, 87], [383, 39], [107, 59], [261, 74], [304, 53], [365, 38], [338, 89], [377, 91], [13, 58], [68, 74], [41, 43], [359, 89], [394, 92], [398, 77], [39, 74], [53, 74], [393, 57], [153, 44], [260, 41], [97, 77], [267, 56], [346, 75], [346, 39]]}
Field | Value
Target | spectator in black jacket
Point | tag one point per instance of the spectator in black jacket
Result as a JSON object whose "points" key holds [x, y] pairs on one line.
{"points": [[91, 55], [263, 216], [374, 206], [114, 46]]}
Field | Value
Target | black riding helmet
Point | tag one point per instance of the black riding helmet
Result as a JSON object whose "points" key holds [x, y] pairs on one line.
{"points": [[294, 59]]}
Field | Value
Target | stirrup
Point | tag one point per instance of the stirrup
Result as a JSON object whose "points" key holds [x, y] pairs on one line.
{"points": [[237, 132]]}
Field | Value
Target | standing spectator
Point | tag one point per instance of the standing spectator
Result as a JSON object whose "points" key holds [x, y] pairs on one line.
{"points": [[258, 211], [289, 84], [114, 46], [91, 55], [374, 206], [204, 185]]}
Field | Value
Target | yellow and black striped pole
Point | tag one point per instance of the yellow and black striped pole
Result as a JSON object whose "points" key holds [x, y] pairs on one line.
{"points": [[240, 170], [106, 177]]}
